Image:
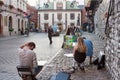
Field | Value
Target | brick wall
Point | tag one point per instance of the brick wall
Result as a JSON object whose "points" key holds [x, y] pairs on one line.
{"points": [[112, 48]]}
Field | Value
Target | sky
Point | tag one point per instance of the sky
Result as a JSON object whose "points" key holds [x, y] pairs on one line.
{"points": [[33, 2]]}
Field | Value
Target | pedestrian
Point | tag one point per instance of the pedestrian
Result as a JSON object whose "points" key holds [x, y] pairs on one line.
{"points": [[89, 46], [68, 31], [27, 57], [79, 53], [27, 32], [50, 33]]}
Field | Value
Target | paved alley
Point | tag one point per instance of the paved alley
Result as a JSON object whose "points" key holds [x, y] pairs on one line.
{"points": [[63, 63]]}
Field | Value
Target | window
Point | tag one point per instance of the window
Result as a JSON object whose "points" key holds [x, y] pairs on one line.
{"points": [[17, 3], [59, 16], [39, 21], [78, 20], [52, 19], [9, 2], [5, 20], [46, 16], [72, 16]]}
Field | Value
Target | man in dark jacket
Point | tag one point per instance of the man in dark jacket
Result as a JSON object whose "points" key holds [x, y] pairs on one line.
{"points": [[50, 32]]}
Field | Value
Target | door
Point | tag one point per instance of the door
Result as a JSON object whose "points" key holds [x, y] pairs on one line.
{"points": [[1, 27]]}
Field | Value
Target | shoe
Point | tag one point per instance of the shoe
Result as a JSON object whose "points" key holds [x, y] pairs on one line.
{"points": [[73, 69], [82, 68], [50, 42]]}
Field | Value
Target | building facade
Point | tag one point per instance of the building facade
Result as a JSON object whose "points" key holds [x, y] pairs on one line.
{"points": [[12, 17], [32, 17], [59, 12], [112, 30]]}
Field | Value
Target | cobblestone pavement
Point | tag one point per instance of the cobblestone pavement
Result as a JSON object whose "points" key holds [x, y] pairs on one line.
{"points": [[8, 63], [62, 63]]}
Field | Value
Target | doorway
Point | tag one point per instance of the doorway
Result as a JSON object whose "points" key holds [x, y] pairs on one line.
{"points": [[1, 27]]}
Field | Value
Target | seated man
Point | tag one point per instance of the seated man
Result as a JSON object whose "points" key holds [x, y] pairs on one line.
{"points": [[27, 57], [89, 46]]}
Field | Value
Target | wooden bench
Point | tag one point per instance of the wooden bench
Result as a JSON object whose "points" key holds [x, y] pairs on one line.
{"points": [[25, 73], [60, 76]]}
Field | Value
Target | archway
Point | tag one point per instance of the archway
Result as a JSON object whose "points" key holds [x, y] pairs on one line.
{"points": [[10, 25], [22, 29], [19, 30], [18, 24], [10, 22]]}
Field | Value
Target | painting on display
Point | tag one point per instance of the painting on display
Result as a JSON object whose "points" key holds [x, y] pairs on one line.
{"points": [[69, 40]]}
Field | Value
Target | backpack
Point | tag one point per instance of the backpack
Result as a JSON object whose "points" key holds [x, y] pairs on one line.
{"points": [[100, 61]]}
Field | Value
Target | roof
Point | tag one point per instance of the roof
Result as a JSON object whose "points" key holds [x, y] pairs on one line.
{"points": [[69, 6], [46, 6]]}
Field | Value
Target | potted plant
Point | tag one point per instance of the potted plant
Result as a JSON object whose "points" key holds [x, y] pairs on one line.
{"points": [[11, 6], [1, 3], [11, 29]]}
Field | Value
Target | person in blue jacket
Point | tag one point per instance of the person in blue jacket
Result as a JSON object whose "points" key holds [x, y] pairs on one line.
{"points": [[89, 46]]}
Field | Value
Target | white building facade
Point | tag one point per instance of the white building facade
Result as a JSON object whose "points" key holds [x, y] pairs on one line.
{"points": [[59, 12], [12, 17]]}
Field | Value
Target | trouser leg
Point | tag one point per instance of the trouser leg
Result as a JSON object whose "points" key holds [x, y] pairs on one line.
{"points": [[81, 66], [90, 59], [50, 39]]}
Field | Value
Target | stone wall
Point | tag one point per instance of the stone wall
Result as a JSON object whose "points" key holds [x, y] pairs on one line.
{"points": [[112, 49], [113, 44], [100, 18]]}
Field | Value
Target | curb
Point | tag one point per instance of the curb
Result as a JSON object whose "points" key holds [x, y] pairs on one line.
{"points": [[50, 67]]}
